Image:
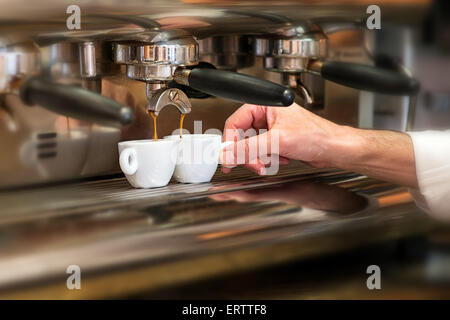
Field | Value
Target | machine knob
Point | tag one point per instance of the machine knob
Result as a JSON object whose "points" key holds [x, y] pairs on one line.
{"points": [[75, 102]]}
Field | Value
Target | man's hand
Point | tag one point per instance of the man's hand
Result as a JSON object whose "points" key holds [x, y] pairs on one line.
{"points": [[302, 135]]}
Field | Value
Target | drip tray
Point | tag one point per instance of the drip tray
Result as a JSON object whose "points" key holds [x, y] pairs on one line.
{"points": [[128, 240], [62, 199]]}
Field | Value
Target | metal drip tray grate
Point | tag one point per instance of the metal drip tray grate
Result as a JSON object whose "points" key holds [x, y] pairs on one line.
{"points": [[149, 238], [116, 192]]}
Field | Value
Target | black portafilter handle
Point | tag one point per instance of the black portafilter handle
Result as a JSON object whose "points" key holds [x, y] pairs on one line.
{"points": [[75, 102], [369, 78], [238, 87]]}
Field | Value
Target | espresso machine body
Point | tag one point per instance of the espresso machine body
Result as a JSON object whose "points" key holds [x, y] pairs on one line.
{"points": [[49, 133], [71, 89]]}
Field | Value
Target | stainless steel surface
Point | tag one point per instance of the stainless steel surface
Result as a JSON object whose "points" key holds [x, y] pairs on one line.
{"points": [[293, 80], [150, 73], [291, 51], [282, 64], [292, 48], [88, 62], [155, 63], [181, 76], [178, 52], [229, 16], [152, 87], [16, 62], [230, 52], [124, 53], [172, 96], [389, 112], [127, 240], [63, 62], [308, 45], [417, 267]]}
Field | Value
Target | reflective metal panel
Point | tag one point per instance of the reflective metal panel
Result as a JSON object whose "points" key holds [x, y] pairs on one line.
{"points": [[126, 240]]}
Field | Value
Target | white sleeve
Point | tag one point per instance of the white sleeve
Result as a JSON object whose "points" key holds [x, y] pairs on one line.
{"points": [[432, 158]]}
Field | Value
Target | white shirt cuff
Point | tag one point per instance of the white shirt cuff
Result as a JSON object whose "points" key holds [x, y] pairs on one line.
{"points": [[432, 158]]}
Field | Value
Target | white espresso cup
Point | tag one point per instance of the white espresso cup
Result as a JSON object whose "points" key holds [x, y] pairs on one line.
{"points": [[148, 163], [198, 156]]}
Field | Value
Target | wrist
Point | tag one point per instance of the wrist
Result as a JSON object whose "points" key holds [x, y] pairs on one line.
{"points": [[380, 154], [348, 147]]}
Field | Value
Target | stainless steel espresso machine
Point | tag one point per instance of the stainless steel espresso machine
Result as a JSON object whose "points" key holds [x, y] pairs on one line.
{"points": [[69, 95]]}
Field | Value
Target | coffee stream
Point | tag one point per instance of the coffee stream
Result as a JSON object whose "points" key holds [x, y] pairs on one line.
{"points": [[181, 125], [155, 132]]}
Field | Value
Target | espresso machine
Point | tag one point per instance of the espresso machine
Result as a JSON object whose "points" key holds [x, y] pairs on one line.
{"points": [[68, 96]]}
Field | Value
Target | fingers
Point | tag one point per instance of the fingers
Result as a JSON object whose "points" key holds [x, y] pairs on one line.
{"points": [[269, 167], [245, 118], [226, 170], [250, 149], [245, 151], [283, 160], [260, 168], [237, 126], [255, 153]]}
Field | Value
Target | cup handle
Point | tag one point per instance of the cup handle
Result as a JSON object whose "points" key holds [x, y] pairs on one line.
{"points": [[223, 145], [128, 161]]}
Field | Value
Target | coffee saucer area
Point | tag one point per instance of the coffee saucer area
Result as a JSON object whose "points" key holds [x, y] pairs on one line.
{"points": [[162, 242]]}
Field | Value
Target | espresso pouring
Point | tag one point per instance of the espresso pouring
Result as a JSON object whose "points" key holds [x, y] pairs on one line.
{"points": [[181, 124], [155, 131]]}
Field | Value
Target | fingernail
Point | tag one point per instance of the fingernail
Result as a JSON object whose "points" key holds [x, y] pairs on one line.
{"points": [[262, 171]]}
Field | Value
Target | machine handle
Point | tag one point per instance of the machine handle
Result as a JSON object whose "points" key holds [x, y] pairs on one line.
{"points": [[75, 102], [369, 78], [239, 87]]}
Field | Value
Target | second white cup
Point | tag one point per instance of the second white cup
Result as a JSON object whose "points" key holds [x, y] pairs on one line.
{"points": [[198, 157]]}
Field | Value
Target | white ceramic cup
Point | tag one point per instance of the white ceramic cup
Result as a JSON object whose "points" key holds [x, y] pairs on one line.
{"points": [[198, 156], [148, 163]]}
